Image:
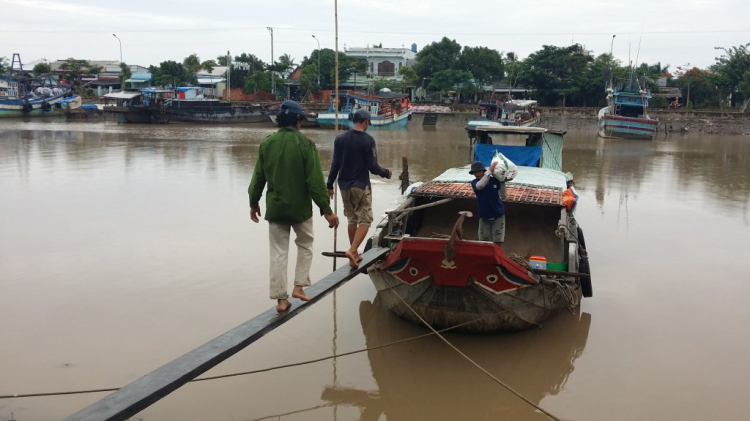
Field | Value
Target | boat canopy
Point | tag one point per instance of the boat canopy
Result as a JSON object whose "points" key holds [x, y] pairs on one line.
{"points": [[527, 176], [122, 95], [543, 146]]}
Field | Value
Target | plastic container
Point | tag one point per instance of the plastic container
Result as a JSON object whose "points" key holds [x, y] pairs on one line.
{"points": [[561, 267], [538, 262]]}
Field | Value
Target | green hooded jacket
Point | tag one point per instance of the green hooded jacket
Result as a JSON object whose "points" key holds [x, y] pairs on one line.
{"points": [[289, 163]]}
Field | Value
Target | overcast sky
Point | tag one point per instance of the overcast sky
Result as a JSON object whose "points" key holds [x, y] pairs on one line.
{"points": [[673, 32]]}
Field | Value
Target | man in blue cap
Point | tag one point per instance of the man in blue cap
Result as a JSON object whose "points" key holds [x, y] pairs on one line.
{"points": [[354, 157], [289, 163], [489, 190]]}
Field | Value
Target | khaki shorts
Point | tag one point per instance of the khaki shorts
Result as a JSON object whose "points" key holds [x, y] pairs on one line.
{"points": [[357, 205]]}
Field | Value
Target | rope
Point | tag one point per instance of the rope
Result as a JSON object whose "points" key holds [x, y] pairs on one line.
{"points": [[482, 369], [278, 367]]}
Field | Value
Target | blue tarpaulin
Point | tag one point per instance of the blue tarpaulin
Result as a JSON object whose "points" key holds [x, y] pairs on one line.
{"points": [[525, 156]]}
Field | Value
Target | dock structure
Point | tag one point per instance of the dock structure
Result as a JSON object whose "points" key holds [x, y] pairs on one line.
{"points": [[157, 384]]}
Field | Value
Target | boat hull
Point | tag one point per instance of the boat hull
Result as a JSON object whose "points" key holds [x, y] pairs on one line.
{"points": [[472, 307], [611, 126], [398, 121], [15, 107]]}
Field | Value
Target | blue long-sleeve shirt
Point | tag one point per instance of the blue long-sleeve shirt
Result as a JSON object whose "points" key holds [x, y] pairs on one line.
{"points": [[354, 157]]}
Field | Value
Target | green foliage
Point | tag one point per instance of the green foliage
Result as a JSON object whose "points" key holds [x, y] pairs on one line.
{"points": [[392, 84], [74, 69], [437, 57], [243, 66], [408, 73], [171, 73], [209, 66], [125, 72], [41, 68], [4, 66], [446, 80], [192, 63], [347, 65], [257, 81], [485, 64], [308, 81], [556, 73]]}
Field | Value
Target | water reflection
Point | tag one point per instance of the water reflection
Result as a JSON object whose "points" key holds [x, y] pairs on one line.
{"points": [[425, 379]]}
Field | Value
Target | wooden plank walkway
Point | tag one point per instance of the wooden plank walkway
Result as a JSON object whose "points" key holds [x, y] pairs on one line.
{"points": [[157, 384]]}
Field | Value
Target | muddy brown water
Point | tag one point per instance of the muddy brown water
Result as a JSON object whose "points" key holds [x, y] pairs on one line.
{"points": [[122, 247]]}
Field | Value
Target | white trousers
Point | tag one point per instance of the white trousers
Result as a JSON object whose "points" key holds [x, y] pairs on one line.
{"points": [[278, 235]]}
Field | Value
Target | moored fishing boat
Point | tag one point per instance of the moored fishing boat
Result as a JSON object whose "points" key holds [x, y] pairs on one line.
{"points": [[626, 113], [437, 267], [517, 112], [24, 96], [389, 110]]}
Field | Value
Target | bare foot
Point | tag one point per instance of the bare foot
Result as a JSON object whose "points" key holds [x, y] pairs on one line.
{"points": [[283, 305], [353, 257], [298, 292]]}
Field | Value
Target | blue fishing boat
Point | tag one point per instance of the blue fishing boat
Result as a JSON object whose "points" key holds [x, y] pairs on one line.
{"points": [[626, 115], [389, 110], [517, 112], [22, 95]]}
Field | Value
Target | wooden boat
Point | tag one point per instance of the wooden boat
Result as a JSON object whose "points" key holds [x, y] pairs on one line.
{"points": [[440, 270], [389, 110], [24, 96], [626, 115], [517, 112]]}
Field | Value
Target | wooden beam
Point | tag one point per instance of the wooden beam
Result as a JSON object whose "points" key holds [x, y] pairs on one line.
{"points": [[157, 384]]}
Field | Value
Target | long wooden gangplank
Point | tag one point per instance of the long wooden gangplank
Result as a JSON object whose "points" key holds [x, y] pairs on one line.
{"points": [[157, 384]]}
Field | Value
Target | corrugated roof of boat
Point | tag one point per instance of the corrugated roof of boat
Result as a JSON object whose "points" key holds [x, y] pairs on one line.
{"points": [[529, 176]]}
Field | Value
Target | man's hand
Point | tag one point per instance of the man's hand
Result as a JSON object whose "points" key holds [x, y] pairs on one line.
{"points": [[492, 167], [390, 173], [330, 194], [333, 220], [255, 213]]}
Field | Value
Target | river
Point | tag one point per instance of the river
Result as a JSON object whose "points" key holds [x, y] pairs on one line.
{"points": [[122, 247]]}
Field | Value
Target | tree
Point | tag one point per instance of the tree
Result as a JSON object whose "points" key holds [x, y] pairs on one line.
{"points": [[192, 63], [209, 66], [485, 64], [308, 80], [556, 73], [732, 66], [171, 73], [125, 73], [243, 66], [408, 74], [257, 81], [74, 69], [41, 68], [3, 65], [285, 65], [446, 80], [327, 74], [436, 57]]}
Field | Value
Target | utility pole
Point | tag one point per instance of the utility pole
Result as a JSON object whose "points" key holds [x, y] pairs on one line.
{"points": [[229, 76], [273, 72]]}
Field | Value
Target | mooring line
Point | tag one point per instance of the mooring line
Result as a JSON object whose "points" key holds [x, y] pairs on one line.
{"points": [[278, 367], [482, 369]]}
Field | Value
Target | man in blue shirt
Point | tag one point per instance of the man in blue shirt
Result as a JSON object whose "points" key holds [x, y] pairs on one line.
{"points": [[491, 211]]}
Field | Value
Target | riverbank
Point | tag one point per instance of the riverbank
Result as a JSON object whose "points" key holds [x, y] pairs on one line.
{"points": [[584, 119]]}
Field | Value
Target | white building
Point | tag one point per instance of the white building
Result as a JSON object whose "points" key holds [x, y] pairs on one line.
{"points": [[383, 62]]}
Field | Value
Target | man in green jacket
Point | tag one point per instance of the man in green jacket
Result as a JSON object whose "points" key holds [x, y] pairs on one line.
{"points": [[289, 163]]}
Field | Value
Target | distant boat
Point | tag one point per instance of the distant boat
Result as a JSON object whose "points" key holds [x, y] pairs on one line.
{"points": [[389, 110], [517, 112], [626, 115], [185, 104], [25, 96]]}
